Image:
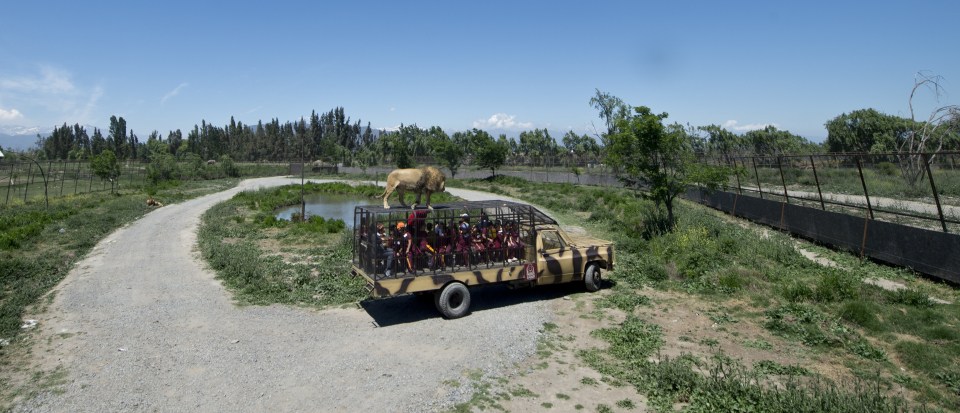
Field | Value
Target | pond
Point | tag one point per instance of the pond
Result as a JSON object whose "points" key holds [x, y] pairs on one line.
{"points": [[328, 206]]}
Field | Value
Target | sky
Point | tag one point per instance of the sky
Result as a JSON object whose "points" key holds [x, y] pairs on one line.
{"points": [[501, 66]]}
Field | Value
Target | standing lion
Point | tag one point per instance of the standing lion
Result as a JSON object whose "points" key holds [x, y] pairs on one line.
{"points": [[427, 179]]}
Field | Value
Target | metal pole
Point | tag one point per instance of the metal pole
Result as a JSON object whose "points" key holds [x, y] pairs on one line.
{"points": [[76, 178], [817, 180], [757, 174], [736, 173], [864, 183], [933, 187], [63, 174], [782, 180], [27, 187], [9, 183]]}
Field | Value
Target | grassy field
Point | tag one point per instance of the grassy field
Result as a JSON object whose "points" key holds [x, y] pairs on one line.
{"points": [[782, 332], [788, 334]]}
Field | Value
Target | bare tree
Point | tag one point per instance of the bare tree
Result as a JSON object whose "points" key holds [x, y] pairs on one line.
{"points": [[926, 136]]}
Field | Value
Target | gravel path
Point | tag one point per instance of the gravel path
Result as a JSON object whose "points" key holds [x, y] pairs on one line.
{"points": [[141, 324]]}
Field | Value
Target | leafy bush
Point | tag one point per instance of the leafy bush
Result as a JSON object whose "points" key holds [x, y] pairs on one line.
{"points": [[162, 167], [228, 166]]}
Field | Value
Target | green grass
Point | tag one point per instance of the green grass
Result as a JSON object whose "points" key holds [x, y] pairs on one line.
{"points": [[39, 245], [829, 312], [318, 274]]}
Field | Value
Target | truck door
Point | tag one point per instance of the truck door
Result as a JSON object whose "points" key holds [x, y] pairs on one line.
{"points": [[554, 257]]}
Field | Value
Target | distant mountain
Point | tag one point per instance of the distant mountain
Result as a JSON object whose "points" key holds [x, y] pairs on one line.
{"points": [[17, 142], [25, 137]]}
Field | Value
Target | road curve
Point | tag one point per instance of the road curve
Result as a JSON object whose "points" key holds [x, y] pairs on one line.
{"points": [[141, 324]]}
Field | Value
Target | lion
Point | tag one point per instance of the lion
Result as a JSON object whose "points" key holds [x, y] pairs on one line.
{"points": [[427, 179]]}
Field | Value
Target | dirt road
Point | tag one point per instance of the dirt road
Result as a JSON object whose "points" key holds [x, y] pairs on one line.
{"points": [[141, 325]]}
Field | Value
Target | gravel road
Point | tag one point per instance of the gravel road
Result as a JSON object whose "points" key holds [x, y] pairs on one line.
{"points": [[141, 324]]}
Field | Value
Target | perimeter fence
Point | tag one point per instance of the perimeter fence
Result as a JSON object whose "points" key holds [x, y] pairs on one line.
{"points": [[917, 189], [25, 181]]}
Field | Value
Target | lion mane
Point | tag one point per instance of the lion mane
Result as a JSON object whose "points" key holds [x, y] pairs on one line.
{"points": [[427, 179]]}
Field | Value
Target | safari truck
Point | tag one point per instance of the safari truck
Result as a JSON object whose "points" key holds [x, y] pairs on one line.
{"points": [[447, 250]]}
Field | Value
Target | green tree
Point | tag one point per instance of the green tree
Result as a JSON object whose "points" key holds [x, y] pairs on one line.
{"points": [[450, 154], [865, 131], [162, 166], [772, 141], [118, 137], [649, 155], [106, 166], [612, 109], [491, 154]]}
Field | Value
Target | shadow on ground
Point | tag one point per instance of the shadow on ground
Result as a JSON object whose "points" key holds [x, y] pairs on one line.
{"points": [[412, 308]]}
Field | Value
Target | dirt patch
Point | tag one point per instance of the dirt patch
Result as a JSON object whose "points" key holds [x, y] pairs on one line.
{"points": [[557, 378]]}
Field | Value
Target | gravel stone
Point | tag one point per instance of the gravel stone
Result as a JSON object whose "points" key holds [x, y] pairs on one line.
{"points": [[151, 329]]}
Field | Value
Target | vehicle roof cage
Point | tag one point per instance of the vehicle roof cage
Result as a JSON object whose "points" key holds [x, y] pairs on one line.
{"points": [[437, 236]]}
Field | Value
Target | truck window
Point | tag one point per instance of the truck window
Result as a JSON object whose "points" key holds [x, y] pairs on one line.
{"points": [[551, 240]]}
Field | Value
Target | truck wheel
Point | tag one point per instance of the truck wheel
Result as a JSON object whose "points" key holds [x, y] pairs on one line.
{"points": [[453, 301], [591, 278]]}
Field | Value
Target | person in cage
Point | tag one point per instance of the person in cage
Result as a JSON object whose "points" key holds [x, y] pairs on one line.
{"points": [[464, 243], [384, 245], [408, 250], [478, 245]]}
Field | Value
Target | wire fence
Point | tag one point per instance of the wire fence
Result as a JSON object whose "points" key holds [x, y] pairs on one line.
{"points": [[918, 189], [25, 181], [921, 190]]}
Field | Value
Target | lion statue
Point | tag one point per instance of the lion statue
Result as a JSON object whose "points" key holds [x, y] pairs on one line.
{"points": [[427, 179]]}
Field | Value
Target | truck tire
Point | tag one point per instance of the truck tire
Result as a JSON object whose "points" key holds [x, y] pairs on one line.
{"points": [[453, 301], [591, 278]]}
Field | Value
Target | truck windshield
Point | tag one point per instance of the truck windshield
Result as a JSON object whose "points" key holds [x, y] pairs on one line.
{"points": [[551, 240]]}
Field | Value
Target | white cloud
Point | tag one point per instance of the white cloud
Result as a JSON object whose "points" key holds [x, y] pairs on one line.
{"points": [[9, 115], [85, 113], [49, 95], [50, 80], [174, 92], [501, 121], [735, 126]]}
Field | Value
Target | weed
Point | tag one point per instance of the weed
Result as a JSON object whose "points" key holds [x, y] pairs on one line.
{"points": [[634, 339], [758, 344], [626, 301], [546, 405], [589, 381], [771, 367], [626, 404], [562, 396]]}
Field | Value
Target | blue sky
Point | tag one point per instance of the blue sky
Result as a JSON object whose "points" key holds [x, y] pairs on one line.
{"points": [[499, 66]]}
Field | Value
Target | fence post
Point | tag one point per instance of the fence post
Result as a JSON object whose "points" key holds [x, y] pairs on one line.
{"points": [[736, 173], [757, 174], [76, 178], [933, 187], [817, 180], [26, 188], [864, 184], [783, 181], [9, 184], [63, 174]]}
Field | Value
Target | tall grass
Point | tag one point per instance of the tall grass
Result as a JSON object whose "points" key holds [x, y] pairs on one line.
{"points": [[829, 311]]}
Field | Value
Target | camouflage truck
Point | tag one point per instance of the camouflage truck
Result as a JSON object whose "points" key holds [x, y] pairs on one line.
{"points": [[453, 247]]}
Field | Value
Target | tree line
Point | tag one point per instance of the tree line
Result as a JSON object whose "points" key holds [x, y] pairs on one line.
{"points": [[333, 137]]}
